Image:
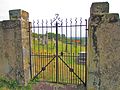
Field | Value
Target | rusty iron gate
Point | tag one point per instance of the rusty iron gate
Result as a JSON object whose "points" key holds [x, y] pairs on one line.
{"points": [[58, 50]]}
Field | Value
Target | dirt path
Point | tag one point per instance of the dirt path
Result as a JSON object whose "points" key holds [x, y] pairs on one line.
{"points": [[51, 86]]}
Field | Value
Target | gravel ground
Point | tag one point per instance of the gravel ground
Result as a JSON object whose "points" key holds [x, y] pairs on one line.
{"points": [[52, 86]]}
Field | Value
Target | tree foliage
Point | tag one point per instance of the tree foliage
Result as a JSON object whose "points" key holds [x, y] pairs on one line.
{"points": [[49, 35]]}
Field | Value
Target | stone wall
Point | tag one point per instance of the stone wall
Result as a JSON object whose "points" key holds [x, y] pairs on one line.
{"points": [[103, 48], [14, 47]]}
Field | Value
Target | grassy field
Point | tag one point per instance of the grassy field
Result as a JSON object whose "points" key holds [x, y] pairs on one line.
{"points": [[50, 47], [43, 54]]}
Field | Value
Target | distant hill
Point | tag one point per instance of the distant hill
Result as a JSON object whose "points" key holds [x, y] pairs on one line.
{"points": [[76, 37], [82, 39]]}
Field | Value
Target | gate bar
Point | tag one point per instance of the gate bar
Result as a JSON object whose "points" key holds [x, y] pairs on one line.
{"points": [[57, 72], [58, 26], [86, 54]]}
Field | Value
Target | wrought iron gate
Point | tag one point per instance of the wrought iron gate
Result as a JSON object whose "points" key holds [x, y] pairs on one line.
{"points": [[58, 50]]}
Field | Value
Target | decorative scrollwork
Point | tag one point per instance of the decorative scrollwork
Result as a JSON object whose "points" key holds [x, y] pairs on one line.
{"points": [[38, 22], [75, 20], [33, 25], [46, 22], [57, 18], [61, 22], [71, 21], [80, 21]]}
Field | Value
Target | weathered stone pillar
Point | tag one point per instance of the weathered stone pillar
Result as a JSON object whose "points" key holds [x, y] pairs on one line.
{"points": [[2, 62], [103, 48], [23, 16], [14, 47]]}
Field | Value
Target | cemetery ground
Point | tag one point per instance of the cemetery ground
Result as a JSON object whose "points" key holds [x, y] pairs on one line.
{"points": [[43, 54]]}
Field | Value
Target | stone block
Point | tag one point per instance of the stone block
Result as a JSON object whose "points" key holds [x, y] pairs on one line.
{"points": [[111, 17], [18, 14], [99, 7], [96, 19], [10, 24]]}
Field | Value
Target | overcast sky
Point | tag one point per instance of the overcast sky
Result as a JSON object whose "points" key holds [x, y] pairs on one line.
{"points": [[46, 9]]}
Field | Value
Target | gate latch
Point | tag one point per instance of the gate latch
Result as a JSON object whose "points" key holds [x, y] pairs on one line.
{"points": [[61, 53]]}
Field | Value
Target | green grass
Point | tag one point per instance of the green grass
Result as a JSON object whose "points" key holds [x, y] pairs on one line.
{"points": [[9, 84], [50, 48]]}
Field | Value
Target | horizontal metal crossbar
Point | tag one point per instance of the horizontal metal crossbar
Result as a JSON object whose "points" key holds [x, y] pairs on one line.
{"points": [[43, 56], [55, 26]]}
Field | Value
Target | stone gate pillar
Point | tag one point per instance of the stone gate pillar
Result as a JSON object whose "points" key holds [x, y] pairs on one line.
{"points": [[14, 47], [103, 48], [23, 16]]}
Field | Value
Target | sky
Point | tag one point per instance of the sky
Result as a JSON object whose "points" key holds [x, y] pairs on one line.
{"points": [[46, 9]]}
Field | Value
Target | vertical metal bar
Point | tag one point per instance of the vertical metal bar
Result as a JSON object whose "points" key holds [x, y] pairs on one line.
{"points": [[38, 60], [34, 50], [42, 51], [80, 47], [60, 71], [30, 49], [76, 41], [86, 56], [74, 69], [79, 52], [51, 37], [66, 42], [62, 35], [47, 43], [57, 74], [66, 37], [62, 50], [45, 62], [71, 46], [70, 64]]}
